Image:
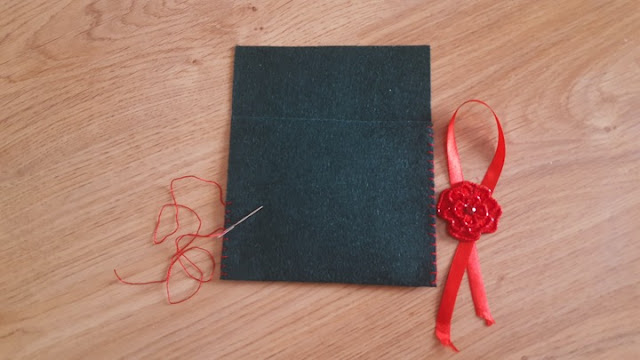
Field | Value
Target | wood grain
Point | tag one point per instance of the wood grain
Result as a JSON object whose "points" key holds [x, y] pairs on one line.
{"points": [[103, 102]]}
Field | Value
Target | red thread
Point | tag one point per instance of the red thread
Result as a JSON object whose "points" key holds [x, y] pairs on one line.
{"points": [[181, 250]]}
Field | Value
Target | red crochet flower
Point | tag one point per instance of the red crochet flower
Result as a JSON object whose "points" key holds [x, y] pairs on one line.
{"points": [[470, 210]]}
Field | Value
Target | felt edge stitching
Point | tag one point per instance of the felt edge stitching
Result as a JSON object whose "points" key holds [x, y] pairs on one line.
{"points": [[434, 252]]}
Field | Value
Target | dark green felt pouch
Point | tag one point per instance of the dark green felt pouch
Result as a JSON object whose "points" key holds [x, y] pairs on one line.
{"points": [[336, 144]]}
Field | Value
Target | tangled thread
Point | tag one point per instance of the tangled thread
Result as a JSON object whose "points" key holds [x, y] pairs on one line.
{"points": [[182, 246]]}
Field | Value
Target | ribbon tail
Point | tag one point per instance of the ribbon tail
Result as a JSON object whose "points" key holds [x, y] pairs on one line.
{"points": [[476, 284], [450, 293], [443, 333]]}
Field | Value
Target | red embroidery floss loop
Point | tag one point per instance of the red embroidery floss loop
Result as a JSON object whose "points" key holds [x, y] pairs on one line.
{"points": [[181, 250], [470, 211]]}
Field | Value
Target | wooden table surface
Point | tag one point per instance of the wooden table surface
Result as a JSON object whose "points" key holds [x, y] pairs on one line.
{"points": [[103, 102]]}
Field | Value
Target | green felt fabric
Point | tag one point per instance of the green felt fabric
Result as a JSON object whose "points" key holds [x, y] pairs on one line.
{"points": [[336, 144]]}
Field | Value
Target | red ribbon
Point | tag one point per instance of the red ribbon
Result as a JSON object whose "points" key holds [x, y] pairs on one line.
{"points": [[466, 256]]}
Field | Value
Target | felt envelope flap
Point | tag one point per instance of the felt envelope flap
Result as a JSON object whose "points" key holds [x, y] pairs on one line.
{"points": [[347, 193], [368, 83]]}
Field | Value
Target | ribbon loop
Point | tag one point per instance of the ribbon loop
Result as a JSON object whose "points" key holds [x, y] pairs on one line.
{"points": [[453, 158], [470, 211]]}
